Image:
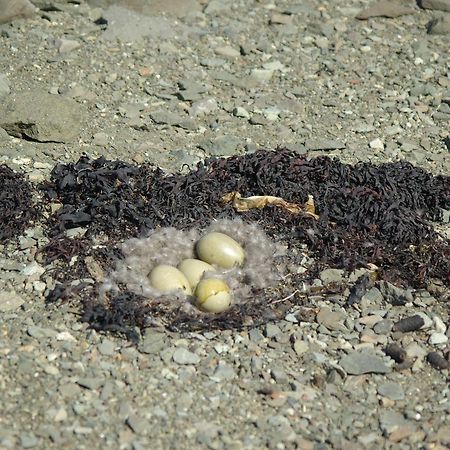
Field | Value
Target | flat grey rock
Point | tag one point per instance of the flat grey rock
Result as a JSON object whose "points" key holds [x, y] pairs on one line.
{"points": [[129, 26], [441, 25], [42, 117], [441, 5], [16, 9], [184, 356], [385, 8], [391, 390], [358, 363], [223, 372]]}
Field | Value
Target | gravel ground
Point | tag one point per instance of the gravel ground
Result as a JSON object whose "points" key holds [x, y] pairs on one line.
{"points": [[174, 82]]}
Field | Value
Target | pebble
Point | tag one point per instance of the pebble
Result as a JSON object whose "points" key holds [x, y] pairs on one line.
{"points": [[261, 75], [376, 144], [227, 51], [183, 356], [107, 347], [437, 338], [203, 107], [223, 372], [391, 390], [241, 112], [333, 320], [101, 139], [358, 363], [383, 326], [412, 323], [438, 361]]}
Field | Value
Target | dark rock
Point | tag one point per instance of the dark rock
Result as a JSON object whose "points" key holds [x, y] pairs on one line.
{"points": [[438, 361], [412, 323]]}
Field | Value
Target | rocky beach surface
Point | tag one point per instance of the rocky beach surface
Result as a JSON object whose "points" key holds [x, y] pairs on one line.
{"points": [[105, 103]]}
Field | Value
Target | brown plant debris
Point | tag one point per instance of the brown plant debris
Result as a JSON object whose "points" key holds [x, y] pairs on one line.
{"points": [[241, 204]]}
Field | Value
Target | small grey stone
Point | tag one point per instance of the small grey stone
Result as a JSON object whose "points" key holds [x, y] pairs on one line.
{"points": [[10, 301], [107, 347], [101, 139], [28, 440], [225, 145], [223, 372], [357, 363], [261, 75], [183, 356], [271, 330], [279, 376], [300, 347], [333, 320], [41, 333], [152, 343], [391, 390], [203, 107], [324, 144], [227, 51], [255, 335], [438, 338], [241, 112], [137, 424], [331, 275], [91, 382], [373, 296], [383, 326], [391, 420]]}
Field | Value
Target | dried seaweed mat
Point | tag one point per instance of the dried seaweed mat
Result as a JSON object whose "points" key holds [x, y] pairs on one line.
{"points": [[384, 215]]}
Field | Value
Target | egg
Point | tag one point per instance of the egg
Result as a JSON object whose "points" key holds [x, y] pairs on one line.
{"points": [[165, 278], [213, 295], [221, 249], [193, 270]]}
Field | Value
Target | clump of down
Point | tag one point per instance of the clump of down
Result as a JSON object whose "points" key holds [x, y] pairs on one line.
{"points": [[170, 246]]}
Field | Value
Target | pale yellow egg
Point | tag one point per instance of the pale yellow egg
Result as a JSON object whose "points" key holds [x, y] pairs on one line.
{"points": [[213, 295], [165, 278], [193, 270], [221, 249]]}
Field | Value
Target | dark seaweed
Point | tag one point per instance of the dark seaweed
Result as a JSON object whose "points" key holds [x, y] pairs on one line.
{"points": [[379, 214], [17, 209]]}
